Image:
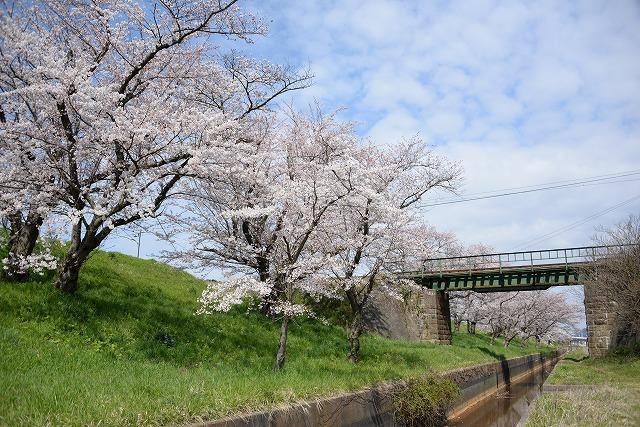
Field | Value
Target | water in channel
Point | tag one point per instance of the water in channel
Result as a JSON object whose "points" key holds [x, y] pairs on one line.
{"points": [[506, 407]]}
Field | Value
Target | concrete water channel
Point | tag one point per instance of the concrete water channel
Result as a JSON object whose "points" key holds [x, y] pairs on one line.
{"points": [[506, 407], [497, 394]]}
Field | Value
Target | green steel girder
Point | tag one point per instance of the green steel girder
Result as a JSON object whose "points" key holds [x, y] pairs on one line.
{"points": [[506, 279]]}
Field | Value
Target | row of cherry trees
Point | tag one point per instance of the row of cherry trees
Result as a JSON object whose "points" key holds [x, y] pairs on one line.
{"points": [[115, 112], [309, 210], [540, 315]]}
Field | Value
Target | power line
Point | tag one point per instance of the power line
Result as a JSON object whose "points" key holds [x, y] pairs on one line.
{"points": [[597, 180], [575, 224], [575, 180]]}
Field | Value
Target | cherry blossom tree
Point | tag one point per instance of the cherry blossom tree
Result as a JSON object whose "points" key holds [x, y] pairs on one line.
{"points": [[547, 314], [526, 314], [113, 103], [260, 214], [22, 213], [499, 313], [378, 231], [467, 306]]}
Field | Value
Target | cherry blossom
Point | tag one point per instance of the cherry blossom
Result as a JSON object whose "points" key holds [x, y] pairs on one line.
{"points": [[107, 106]]}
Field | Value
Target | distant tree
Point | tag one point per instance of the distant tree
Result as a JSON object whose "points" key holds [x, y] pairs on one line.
{"points": [[500, 314], [467, 306], [616, 275], [22, 215], [113, 103], [539, 314]]}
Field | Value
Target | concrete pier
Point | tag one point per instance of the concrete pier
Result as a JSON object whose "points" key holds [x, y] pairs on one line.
{"points": [[421, 315]]}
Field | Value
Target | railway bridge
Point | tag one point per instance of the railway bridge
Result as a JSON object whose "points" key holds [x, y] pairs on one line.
{"points": [[518, 271]]}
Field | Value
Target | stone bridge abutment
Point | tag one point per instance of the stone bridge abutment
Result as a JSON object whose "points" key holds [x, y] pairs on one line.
{"points": [[602, 322], [424, 315]]}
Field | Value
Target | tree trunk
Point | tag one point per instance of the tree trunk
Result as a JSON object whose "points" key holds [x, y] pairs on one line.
{"points": [[22, 241], [78, 253], [282, 348], [472, 330], [68, 274], [354, 337]]}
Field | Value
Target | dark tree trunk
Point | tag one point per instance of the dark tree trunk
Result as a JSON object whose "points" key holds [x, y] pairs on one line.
{"points": [[68, 274], [357, 322], [276, 292], [264, 275], [78, 253], [354, 337], [22, 240], [471, 327], [282, 348]]}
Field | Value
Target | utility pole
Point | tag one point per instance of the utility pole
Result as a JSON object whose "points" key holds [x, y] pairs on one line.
{"points": [[139, 236]]}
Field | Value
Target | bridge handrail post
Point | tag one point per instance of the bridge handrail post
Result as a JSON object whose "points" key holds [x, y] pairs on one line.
{"points": [[531, 259]]}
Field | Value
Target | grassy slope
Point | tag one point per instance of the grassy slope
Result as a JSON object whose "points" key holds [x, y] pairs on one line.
{"points": [[127, 350], [614, 401]]}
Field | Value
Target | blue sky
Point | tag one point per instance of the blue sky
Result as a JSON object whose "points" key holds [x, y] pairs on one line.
{"points": [[520, 93]]}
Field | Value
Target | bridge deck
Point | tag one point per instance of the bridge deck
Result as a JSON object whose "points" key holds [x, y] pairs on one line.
{"points": [[507, 278]]}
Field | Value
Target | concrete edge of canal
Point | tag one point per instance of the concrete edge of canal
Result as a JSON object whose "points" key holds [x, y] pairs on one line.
{"points": [[374, 406]]}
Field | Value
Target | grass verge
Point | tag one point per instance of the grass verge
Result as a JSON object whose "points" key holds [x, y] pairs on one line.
{"points": [[126, 349], [614, 401]]}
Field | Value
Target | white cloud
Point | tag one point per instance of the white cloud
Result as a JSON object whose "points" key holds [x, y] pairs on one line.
{"points": [[445, 123], [520, 92]]}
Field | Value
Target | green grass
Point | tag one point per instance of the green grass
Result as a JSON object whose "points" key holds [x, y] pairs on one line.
{"points": [[577, 368], [126, 349], [613, 399]]}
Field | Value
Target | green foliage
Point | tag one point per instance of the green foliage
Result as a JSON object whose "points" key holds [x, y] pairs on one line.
{"points": [[127, 349], [424, 401]]}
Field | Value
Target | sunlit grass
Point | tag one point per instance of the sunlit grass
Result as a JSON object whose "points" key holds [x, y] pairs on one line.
{"points": [[127, 349], [604, 406], [612, 370], [612, 400]]}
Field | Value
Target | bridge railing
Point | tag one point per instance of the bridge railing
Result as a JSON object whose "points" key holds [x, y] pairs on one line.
{"points": [[531, 259]]}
